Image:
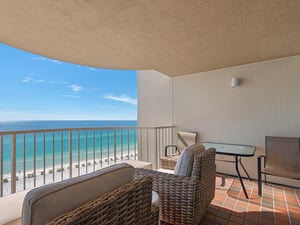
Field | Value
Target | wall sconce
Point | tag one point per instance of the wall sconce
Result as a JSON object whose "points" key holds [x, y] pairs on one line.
{"points": [[235, 82]]}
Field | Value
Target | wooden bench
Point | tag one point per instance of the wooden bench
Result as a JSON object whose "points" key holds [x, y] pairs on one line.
{"points": [[282, 159]]}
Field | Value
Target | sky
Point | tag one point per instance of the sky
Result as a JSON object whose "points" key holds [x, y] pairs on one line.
{"points": [[33, 87]]}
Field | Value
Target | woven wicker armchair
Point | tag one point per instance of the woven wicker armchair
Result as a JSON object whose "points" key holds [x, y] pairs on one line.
{"points": [[184, 200], [129, 204], [113, 195]]}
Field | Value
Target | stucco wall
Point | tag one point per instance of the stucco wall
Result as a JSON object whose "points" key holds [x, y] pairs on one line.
{"points": [[267, 102], [154, 109], [154, 99]]}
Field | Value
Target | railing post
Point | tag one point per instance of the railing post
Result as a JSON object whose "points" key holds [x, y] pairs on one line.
{"points": [[86, 151], [141, 145], [79, 152], [94, 151], [115, 145], [122, 158], [156, 150], [71, 153], [34, 160], [53, 156], [134, 139], [44, 152], [1, 165], [62, 156], [24, 160], [147, 144], [13, 164], [101, 147]]}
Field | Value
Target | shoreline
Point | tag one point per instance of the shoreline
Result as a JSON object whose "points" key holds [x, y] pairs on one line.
{"points": [[65, 165], [59, 174]]}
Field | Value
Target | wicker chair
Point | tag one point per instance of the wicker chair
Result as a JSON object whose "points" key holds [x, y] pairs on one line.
{"points": [[113, 195], [129, 204], [184, 200]]}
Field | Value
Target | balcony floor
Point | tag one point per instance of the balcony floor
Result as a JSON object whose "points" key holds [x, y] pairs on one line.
{"points": [[279, 205]]}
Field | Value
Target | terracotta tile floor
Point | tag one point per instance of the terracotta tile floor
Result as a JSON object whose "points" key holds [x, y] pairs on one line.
{"points": [[279, 205]]}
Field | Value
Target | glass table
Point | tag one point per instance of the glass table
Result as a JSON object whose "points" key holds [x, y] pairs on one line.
{"points": [[237, 151]]}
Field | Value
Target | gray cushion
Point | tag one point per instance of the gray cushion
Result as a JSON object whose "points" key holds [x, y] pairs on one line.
{"points": [[45, 203], [184, 165]]}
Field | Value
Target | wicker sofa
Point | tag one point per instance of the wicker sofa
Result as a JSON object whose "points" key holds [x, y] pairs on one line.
{"points": [[113, 195], [185, 195]]}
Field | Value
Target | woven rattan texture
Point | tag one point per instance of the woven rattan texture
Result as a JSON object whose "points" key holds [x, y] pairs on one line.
{"points": [[184, 200], [128, 205]]}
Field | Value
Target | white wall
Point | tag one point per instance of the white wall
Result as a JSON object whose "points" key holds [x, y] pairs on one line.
{"points": [[154, 99], [154, 109], [267, 102]]}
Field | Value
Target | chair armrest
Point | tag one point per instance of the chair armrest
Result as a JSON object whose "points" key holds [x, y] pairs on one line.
{"points": [[170, 146], [169, 184], [182, 199]]}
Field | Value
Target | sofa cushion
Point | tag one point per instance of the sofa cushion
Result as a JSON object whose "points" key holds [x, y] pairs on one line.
{"points": [[185, 162], [45, 203]]}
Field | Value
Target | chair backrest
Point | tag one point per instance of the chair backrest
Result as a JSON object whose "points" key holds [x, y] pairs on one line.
{"points": [[128, 204], [185, 162], [185, 139], [204, 164], [45, 203], [283, 152]]}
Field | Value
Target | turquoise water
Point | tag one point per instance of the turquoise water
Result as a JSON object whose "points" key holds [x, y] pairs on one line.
{"points": [[56, 147]]}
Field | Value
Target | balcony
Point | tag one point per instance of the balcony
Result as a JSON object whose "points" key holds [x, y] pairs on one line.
{"points": [[78, 151]]}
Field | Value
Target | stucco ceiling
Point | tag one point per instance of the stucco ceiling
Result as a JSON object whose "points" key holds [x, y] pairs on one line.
{"points": [[175, 37]]}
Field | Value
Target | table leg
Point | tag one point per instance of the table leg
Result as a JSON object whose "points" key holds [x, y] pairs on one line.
{"points": [[239, 175], [240, 160]]}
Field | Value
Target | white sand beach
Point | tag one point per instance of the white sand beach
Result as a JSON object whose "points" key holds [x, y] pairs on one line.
{"points": [[49, 175]]}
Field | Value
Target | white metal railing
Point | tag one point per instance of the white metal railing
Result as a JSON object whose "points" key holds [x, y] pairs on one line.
{"points": [[32, 158]]}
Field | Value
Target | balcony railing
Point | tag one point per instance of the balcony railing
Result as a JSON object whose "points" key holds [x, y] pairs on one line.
{"points": [[33, 158]]}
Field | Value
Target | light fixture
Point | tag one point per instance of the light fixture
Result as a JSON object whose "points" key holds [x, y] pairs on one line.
{"points": [[235, 82]]}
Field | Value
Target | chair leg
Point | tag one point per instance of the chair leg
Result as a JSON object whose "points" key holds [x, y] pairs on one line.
{"points": [[223, 181], [266, 179], [259, 176]]}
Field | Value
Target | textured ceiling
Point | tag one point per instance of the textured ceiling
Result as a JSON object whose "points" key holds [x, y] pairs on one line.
{"points": [[175, 37]]}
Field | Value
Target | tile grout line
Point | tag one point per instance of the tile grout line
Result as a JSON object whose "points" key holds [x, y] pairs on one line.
{"points": [[260, 204], [298, 200], [236, 202], [273, 205], [248, 201], [286, 206]]}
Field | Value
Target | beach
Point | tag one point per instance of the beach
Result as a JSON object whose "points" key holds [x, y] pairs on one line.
{"points": [[58, 174]]}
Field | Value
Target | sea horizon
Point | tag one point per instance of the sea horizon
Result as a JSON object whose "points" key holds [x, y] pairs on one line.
{"points": [[18, 125]]}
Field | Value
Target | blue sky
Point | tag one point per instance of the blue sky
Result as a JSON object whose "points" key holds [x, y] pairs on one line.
{"points": [[34, 87]]}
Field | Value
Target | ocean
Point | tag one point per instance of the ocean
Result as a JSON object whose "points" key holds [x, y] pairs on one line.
{"points": [[55, 147]]}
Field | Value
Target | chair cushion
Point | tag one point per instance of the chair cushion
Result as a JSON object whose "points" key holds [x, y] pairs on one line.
{"points": [[184, 165], [45, 203]]}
